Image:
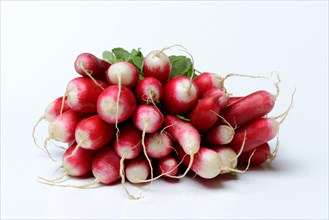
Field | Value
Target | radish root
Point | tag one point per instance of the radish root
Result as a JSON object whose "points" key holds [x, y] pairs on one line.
{"points": [[123, 180], [33, 132], [283, 116], [85, 186]]}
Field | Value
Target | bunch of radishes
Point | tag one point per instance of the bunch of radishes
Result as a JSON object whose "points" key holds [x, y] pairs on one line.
{"points": [[141, 118]]}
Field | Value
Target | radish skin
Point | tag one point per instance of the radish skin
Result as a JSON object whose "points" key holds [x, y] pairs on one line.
{"points": [[51, 112], [122, 74], [219, 135], [180, 95], [261, 155], [82, 94], [148, 119], [128, 144], [62, 129], [93, 133], [186, 135], [108, 109], [258, 132], [168, 166], [206, 81], [158, 145], [106, 166], [137, 169], [80, 163], [207, 163], [149, 90], [87, 64], [157, 64], [202, 116], [249, 108], [228, 156]]}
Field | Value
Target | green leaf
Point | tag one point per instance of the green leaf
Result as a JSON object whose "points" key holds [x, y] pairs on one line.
{"points": [[138, 62], [180, 66], [121, 54], [109, 56], [183, 117]]}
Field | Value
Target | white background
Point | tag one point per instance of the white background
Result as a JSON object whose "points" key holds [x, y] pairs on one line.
{"points": [[40, 41]]}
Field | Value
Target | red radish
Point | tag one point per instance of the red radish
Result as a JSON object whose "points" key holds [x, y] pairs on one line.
{"points": [[80, 163], [258, 132], [149, 90], [233, 99], [206, 81], [261, 155], [51, 112], [207, 163], [128, 144], [157, 64], [223, 96], [137, 169], [122, 74], [158, 144], [93, 133], [168, 165], [82, 94], [87, 64], [180, 95], [186, 135], [204, 115], [249, 108], [148, 119], [62, 129], [228, 156], [113, 110], [219, 135], [76, 165], [106, 166]]}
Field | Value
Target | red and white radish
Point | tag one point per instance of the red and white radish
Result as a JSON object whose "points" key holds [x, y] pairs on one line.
{"points": [[249, 108], [106, 166], [223, 96], [206, 81], [114, 109], [186, 135], [148, 119], [204, 115], [228, 156], [180, 95], [157, 64], [87, 64], [93, 133], [158, 144], [137, 169], [168, 165], [261, 155], [62, 129], [206, 163], [77, 165], [51, 112], [149, 90], [128, 144], [82, 94], [80, 163], [219, 135], [257, 132], [122, 74]]}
